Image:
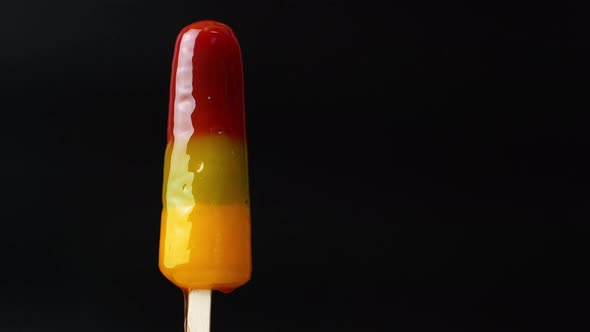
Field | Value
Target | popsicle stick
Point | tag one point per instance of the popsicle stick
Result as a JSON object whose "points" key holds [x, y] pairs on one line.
{"points": [[198, 314]]}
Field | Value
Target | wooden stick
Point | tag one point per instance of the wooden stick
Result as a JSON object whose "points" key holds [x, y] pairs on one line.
{"points": [[198, 313]]}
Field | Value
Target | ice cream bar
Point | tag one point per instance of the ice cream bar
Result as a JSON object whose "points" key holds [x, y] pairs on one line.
{"points": [[205, 229]]}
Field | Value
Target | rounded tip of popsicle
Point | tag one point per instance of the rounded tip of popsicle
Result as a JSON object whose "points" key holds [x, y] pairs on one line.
{"points": [[210, 26]]}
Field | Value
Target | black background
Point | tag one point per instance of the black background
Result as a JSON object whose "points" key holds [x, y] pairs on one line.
{"points": [[415, 166]]}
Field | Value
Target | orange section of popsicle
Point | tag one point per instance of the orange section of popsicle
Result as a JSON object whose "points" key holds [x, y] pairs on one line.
{"points": [[210, 250]]}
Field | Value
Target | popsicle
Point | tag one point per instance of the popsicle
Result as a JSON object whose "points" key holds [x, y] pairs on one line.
{"points": [[205, 231]]}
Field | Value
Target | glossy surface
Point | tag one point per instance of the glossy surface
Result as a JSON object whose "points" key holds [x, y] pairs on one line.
{"points": [[211, 67], [205, 234]]}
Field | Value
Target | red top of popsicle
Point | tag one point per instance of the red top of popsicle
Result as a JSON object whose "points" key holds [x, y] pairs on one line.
{"points": [[207, 82]]}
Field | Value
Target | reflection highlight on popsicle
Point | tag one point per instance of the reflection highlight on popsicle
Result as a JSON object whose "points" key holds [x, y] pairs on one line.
{"points": [[179, 204]]}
